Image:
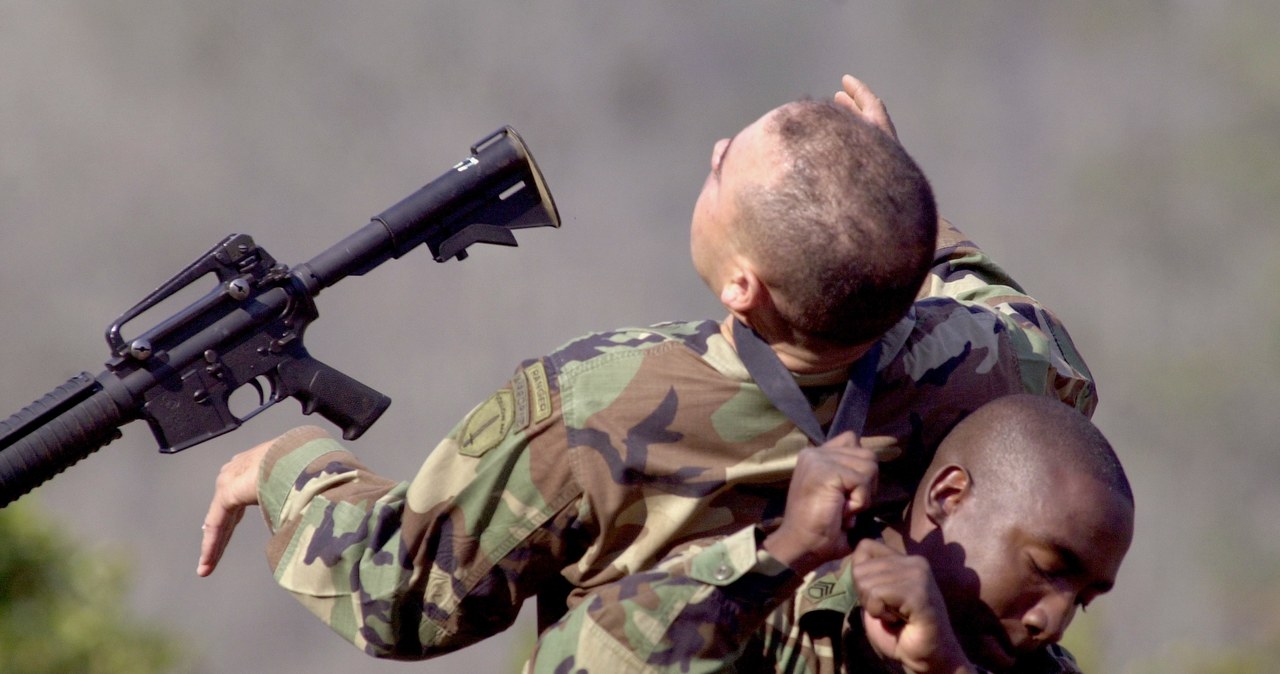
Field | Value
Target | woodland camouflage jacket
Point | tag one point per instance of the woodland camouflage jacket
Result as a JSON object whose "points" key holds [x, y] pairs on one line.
{"points": [[596, 461], [726, 605]]}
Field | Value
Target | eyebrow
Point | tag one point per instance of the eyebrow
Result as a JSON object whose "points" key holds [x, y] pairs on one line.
{"points": [[1074, 563]]}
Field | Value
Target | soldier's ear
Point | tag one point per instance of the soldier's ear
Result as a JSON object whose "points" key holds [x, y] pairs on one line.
{"points": [[949, 488], [743, 291]]}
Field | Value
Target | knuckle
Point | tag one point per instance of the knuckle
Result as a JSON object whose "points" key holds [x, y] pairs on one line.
{"points": [[917, 564]]}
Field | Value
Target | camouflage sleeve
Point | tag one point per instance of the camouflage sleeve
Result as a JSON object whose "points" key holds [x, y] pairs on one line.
{"points": [[1048, 361], [725, 606], [413, 569], [694, 612]]}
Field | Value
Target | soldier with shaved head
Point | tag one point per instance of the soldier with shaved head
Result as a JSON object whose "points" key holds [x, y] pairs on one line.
{"points": [[816, 230], [1023, 517]]}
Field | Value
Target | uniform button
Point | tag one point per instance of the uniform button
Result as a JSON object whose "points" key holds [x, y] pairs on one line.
{"points": [[723, 572]]}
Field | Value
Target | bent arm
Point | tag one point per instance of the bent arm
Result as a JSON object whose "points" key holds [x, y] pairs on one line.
{"points": [[1050, 364], [410, 570], [1048, 360]]}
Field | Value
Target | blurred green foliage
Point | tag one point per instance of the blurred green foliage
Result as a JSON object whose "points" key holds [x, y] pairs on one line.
{"points": [[63, 607]]}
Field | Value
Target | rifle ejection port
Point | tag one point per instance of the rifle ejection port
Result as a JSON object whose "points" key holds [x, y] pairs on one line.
{"points": [[140, 349]]}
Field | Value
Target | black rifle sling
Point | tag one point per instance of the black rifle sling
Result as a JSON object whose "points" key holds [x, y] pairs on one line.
{"points": [[779, 386]]}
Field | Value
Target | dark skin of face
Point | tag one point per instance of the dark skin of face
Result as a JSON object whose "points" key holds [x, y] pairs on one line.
{"points": [[1015, 563]]}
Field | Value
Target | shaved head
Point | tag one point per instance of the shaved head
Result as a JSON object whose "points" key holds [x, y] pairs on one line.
{"points": [[1021, 441], [845, 235]]}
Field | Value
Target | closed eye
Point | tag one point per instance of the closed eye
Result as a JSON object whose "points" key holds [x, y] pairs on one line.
{"points": [[1056, 575]]}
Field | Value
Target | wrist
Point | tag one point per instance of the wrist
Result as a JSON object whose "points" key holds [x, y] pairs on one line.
{"points": [[796, 553], [946, 656]]}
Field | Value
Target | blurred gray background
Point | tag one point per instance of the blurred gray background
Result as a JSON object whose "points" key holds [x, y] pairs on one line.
{"points": [[1120, 159]]}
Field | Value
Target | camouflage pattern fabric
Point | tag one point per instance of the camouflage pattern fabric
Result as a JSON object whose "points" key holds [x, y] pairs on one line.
{"points": [[726, 606], [594, 462], [1047, 357]]}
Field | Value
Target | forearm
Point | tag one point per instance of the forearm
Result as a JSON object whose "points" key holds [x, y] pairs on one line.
{"points": [[336, 531], [409, 570]]}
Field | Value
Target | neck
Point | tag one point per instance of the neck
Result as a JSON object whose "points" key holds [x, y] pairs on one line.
{"points": [[801, 356], [893, 538]]}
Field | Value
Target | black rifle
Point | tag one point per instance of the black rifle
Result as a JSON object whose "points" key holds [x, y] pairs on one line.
{"points": [[247, 331]]}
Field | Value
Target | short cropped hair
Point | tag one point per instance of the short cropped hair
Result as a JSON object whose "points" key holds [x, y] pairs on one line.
{"points": [[1011, 440], [845, 236]]}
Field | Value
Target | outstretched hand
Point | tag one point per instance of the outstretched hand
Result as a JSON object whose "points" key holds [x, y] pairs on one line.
{"points": [[861, 101], [235, 489], [831, 484]]}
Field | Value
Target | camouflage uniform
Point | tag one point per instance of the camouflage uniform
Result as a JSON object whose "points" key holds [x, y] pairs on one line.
{"points": [[701, 610], [595, 462]]}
